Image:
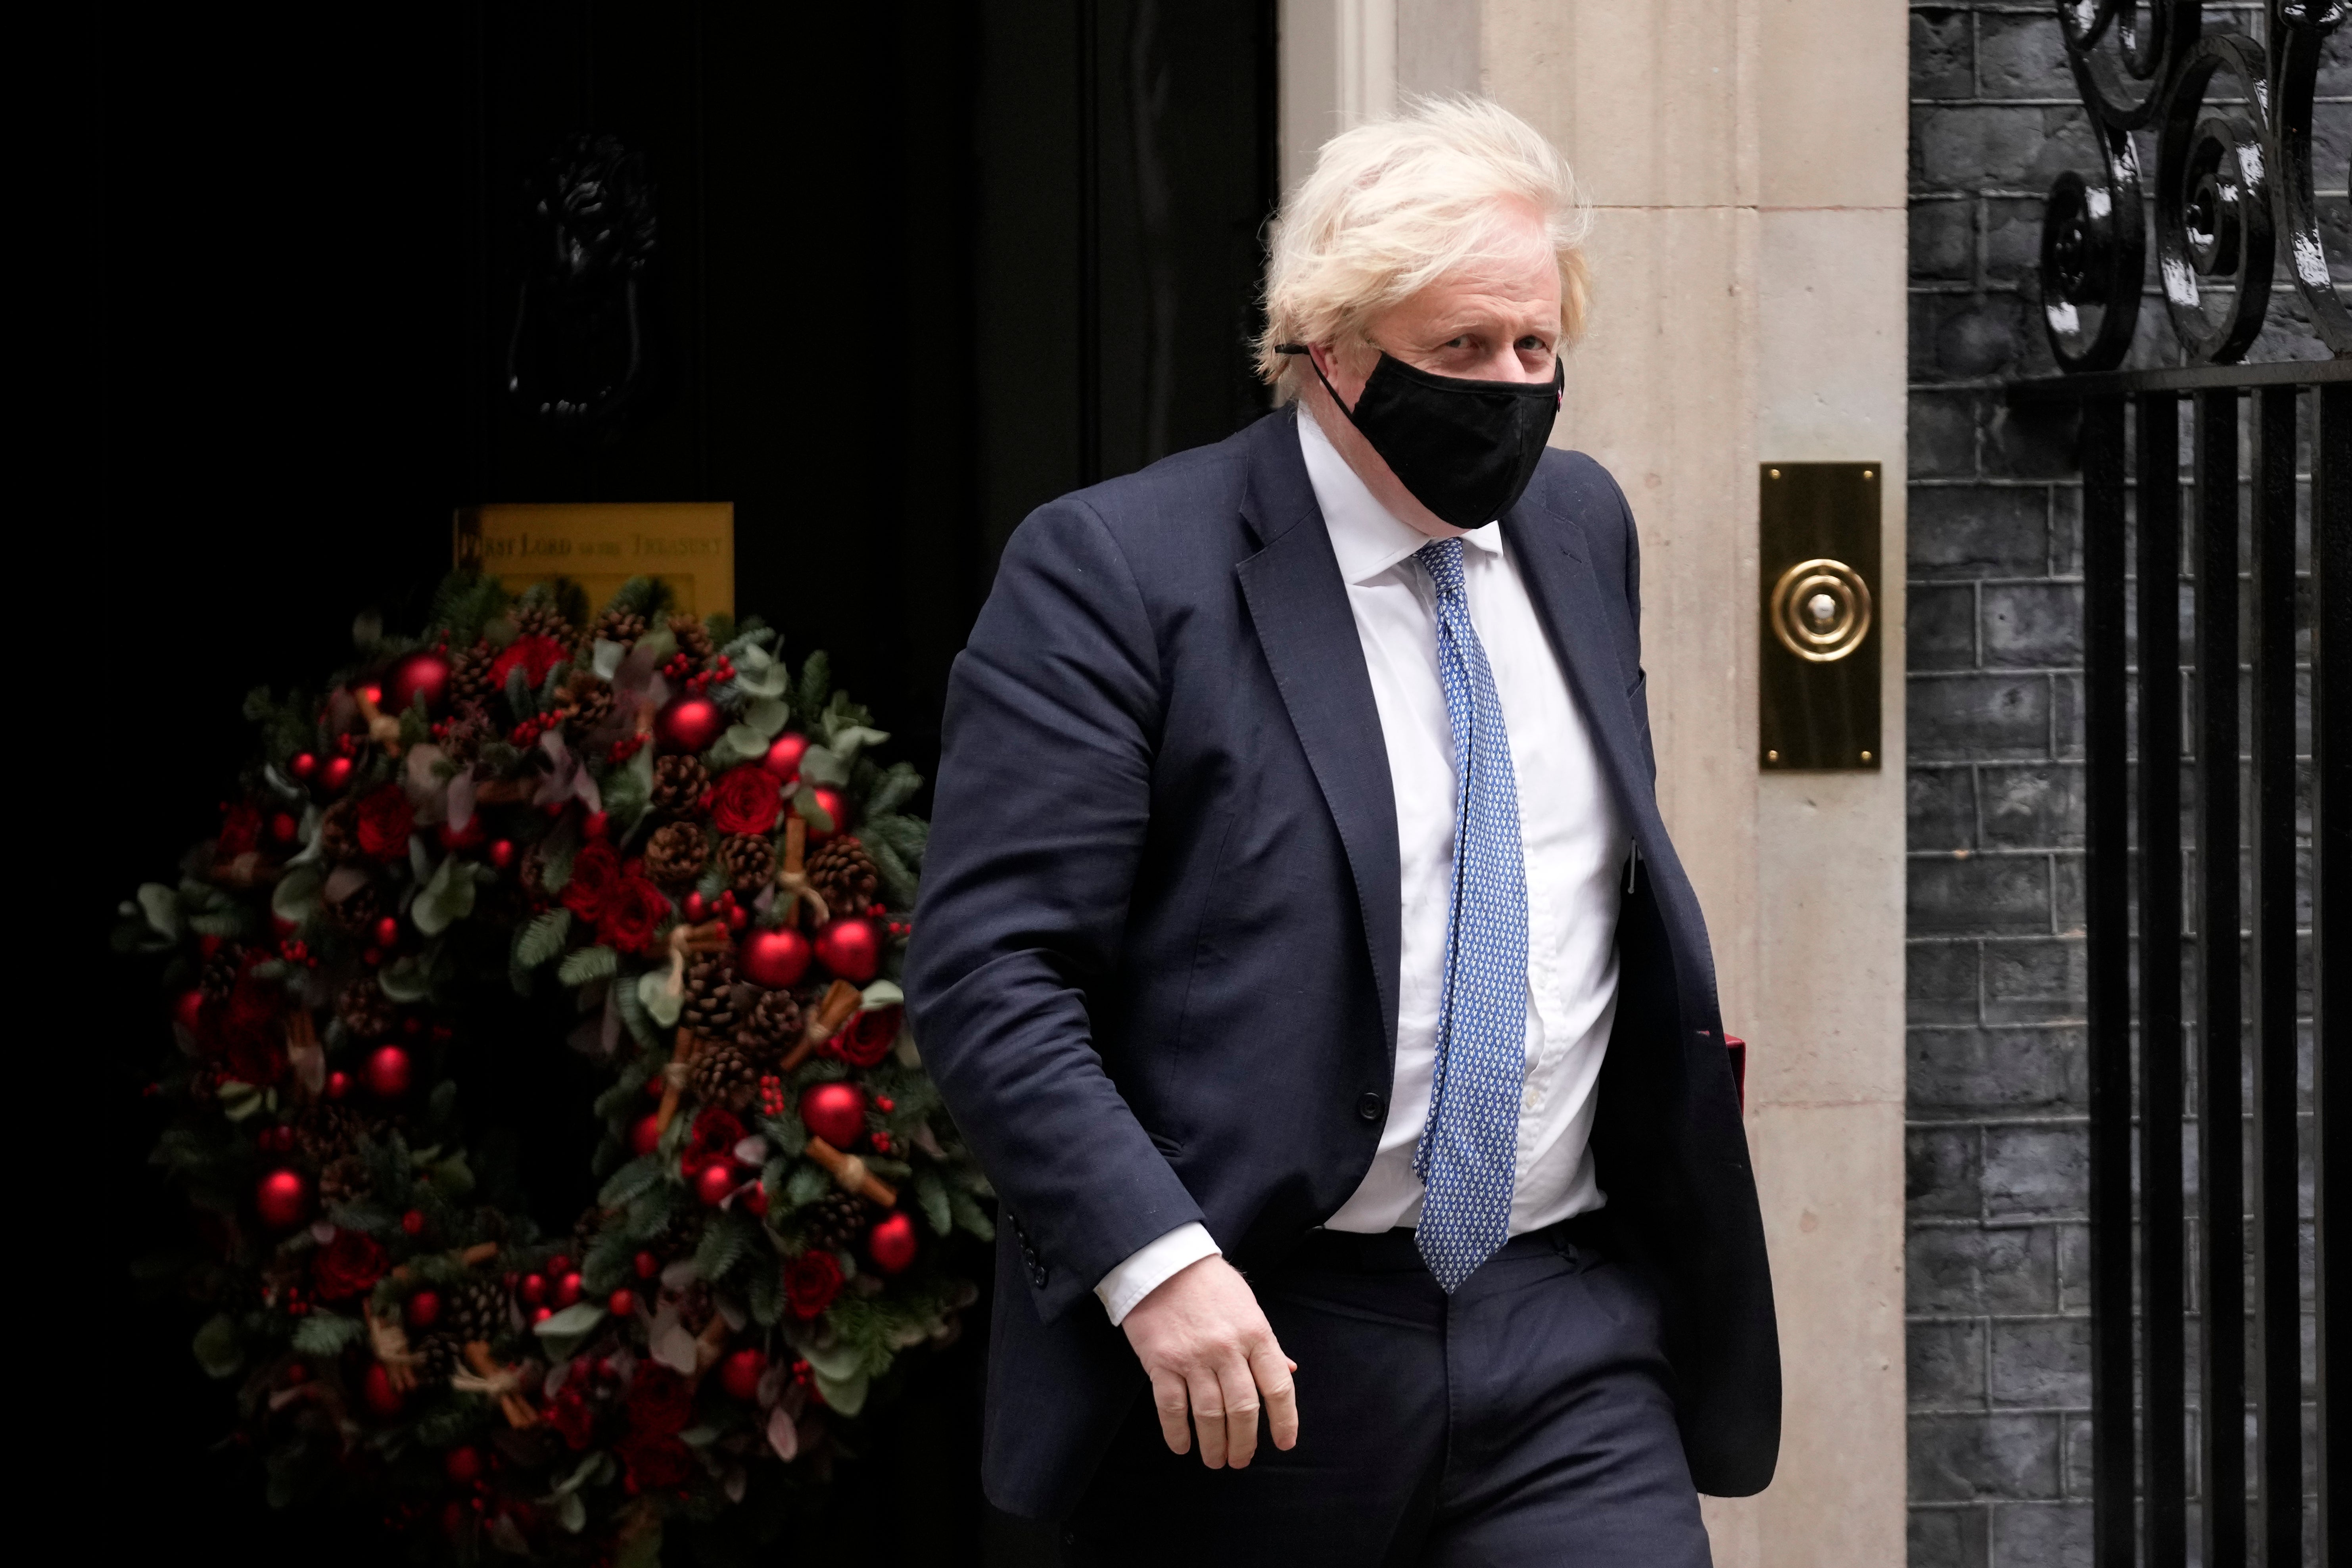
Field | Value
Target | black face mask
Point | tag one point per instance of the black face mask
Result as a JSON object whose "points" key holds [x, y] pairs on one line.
{"points": [[1466, 449]]}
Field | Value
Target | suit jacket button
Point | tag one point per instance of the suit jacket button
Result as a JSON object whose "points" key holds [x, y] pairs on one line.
{"points": [[1368, 1106]]}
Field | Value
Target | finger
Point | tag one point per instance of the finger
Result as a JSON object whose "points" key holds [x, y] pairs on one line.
{"points": [[1242, 1407], [1170, 1405], [1273, 1370], [1208, 1416]]}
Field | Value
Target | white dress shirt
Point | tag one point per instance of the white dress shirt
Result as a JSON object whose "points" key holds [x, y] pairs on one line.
{"points": [[1574, 844]]}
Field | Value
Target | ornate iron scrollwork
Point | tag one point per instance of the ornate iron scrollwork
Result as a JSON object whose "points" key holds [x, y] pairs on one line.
{"points": [[2233, 181]]}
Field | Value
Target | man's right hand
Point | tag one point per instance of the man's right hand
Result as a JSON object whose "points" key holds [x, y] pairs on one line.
{"points": [[1211, 1355]]}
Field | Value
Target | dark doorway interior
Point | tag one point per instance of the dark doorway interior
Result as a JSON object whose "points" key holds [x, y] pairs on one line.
{"points": [[918, 267]]}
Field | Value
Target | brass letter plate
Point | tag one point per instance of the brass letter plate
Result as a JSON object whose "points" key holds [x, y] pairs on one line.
{"points": [[1818, 592]]}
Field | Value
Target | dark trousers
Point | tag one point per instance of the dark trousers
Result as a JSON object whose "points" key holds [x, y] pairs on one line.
{"points": [[1525, 1420]]}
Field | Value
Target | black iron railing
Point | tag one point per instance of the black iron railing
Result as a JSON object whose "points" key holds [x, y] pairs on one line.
{"points": [[2200, 1098]]}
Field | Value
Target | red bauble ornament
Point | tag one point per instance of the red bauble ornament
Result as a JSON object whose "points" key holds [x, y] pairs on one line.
{"points": [[377, 1392], [740, 1374], [755, 1200], [596, 825], [784, 758], [335, 773], [540, 1314], [689, 724], [302, 765], [420, 674], [283, 828], [502, 853], [828, 801], [567, 1290], [851, 949], [188, 1010], [387, 1072], [715, 1181], [559, 1264], [424, 1309], [284, 1199], [339, 1084], [835, 1112], [775, 957], [463, 1466], [696, 906], [645, 1136], [647, 1265], [534, 1289], [387, 931], [622, 1303], [413, 1222], [891, 1243]]}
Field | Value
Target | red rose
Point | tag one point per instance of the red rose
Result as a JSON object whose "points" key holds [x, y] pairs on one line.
{"points": [[240, 831], [811, 1282], [656, 1462], [254, 1059], [534, 655], [385, 819], [660, 1402], [868, 1039], [348, 1265], [749, 799], [632, 915], [246, 1033], [596, 876], [571, 1415], [716, 1133]]}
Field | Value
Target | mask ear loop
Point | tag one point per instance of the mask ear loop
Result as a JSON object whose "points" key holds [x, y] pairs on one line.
{"points": [[1303, 349]]}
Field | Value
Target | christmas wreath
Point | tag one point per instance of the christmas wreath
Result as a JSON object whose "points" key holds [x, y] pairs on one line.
{"points": [[649, 836]]}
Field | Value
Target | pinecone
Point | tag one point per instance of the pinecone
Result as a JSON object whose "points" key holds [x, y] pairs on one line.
{"points": [[724, 1075], [437, 1356], [338, 832], [344, 1180], [678, 784], [693, 636], [620, 626], [324, 1133], [542, 620], [843, 874], [834, 1221], [469, 675], [366, 1012], [770, 1027], [474, 1310], [357, 912], [218, 977], [709, 1007], [531, 873], [585, 700], [675, 854], [750, 860]]}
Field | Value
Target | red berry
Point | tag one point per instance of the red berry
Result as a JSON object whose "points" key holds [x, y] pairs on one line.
{"points": [[533, 1290], [885, 1104], [339, 1084], [559, 1264], [302, 765], [648, 1265], [387, 931], [540, 1314], [567, 1290], [336, 773], [622, 1303], [695, 906], [413, 1222]]}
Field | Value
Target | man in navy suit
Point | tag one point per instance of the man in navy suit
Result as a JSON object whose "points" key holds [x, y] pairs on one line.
{"points": [[1303, 953]]}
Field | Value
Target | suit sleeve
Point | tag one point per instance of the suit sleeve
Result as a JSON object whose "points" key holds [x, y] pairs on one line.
{"points": [[1040, 815]]}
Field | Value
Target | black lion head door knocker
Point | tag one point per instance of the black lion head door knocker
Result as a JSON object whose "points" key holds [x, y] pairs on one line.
{"points": [[577, 355]]}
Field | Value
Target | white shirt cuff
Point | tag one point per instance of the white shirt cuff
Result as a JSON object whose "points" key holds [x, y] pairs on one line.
{"points": [[1150, 1265]]}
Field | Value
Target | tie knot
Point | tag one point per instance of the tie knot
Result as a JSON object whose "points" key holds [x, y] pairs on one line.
{"points": [[1442, 559]]}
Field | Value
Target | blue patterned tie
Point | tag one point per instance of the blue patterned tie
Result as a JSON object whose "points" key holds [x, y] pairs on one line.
{"points": [[1468, 1155]]}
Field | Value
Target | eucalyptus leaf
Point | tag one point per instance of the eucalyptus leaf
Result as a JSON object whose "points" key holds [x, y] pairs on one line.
{"points": [[654, 996], [297, 896], [570, 1513], [821, 764], [767, 716], [218, 1349], [608, 657], [879, 994], [161, 905], [576, 1320], [845, 1395], [405, 979]]}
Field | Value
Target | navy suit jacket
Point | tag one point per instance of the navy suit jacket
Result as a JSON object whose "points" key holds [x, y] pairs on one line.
{"points": [[1154, 969]]}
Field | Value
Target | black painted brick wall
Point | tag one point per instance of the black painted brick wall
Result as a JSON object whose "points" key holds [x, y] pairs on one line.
{"points": [[1999, 1367]]}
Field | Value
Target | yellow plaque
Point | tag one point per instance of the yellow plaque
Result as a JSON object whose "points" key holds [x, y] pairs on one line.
{"points": [[691, 545]]}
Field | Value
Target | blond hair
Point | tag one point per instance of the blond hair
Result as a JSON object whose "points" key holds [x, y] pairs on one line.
{"points": [[1397, 204]]}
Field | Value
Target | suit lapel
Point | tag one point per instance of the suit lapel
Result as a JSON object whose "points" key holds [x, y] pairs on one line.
{"points": [[1581, 623], [1298, 605]]}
